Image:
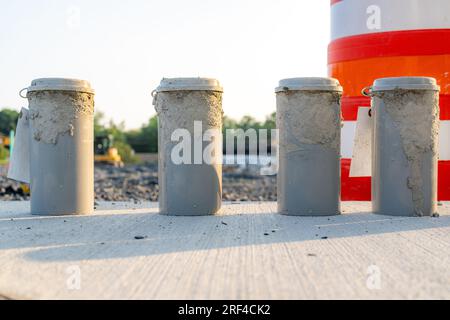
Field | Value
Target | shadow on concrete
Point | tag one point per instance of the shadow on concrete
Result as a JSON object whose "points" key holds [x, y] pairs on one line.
{"points": [[126, 233]]}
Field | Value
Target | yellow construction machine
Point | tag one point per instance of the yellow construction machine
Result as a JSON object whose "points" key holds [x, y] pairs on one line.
{"points": [[105, 152]]}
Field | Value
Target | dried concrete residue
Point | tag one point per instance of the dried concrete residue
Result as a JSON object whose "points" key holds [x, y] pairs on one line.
{"points": [[309, 117], [179, 110], [418, 122], [53, 113]]}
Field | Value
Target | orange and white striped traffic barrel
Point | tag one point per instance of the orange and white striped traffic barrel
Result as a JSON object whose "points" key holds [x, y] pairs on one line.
{"points": [[374, 39]]}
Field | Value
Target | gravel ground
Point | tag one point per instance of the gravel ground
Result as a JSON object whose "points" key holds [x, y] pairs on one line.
{"points": [[140, 183]]}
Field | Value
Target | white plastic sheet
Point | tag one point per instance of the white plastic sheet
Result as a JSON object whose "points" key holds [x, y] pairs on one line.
{"points": [[362, 151], [19, 166]]}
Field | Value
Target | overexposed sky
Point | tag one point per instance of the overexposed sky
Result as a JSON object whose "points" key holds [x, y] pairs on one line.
{"points": [[124, 48]]}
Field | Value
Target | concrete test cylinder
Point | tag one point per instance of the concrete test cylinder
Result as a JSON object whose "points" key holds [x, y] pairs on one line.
{"points": [[190, 146], [61, 146], [309, 123], [405, 146], [388, 38]]}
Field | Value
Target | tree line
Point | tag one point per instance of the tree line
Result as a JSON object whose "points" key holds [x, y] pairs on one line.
{"points": [[142, 140]]}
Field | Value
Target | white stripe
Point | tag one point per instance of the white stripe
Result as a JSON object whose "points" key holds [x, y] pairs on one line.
{"points": [[348, 135], [444, 141], [351, 17]]}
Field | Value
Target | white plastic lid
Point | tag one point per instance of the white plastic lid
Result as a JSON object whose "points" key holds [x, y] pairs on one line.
{"points": [[189, 84], [60, 84], [319, 84], [407, 83]]}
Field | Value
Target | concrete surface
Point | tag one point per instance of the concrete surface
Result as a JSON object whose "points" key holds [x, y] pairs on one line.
{"points": [[248, 252]]}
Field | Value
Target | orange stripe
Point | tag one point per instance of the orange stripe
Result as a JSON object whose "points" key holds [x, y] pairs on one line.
{"points": [[444, 102], [350, 106], [359, 189], [333, 2], [354, 189], [355, 75], [443, 181], [390, 44]]}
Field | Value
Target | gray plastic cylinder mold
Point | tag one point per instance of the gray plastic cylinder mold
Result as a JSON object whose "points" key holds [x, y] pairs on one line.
{"points": [[190, 146], [405, 148], [309, 123], [61, 146]]}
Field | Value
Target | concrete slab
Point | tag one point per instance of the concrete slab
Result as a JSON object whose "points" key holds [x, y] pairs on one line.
{"points": [[248, 252]]}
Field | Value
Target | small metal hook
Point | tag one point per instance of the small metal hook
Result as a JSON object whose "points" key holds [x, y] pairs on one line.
{"points": [[20, 93], [367, 92], [154, 95]]}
